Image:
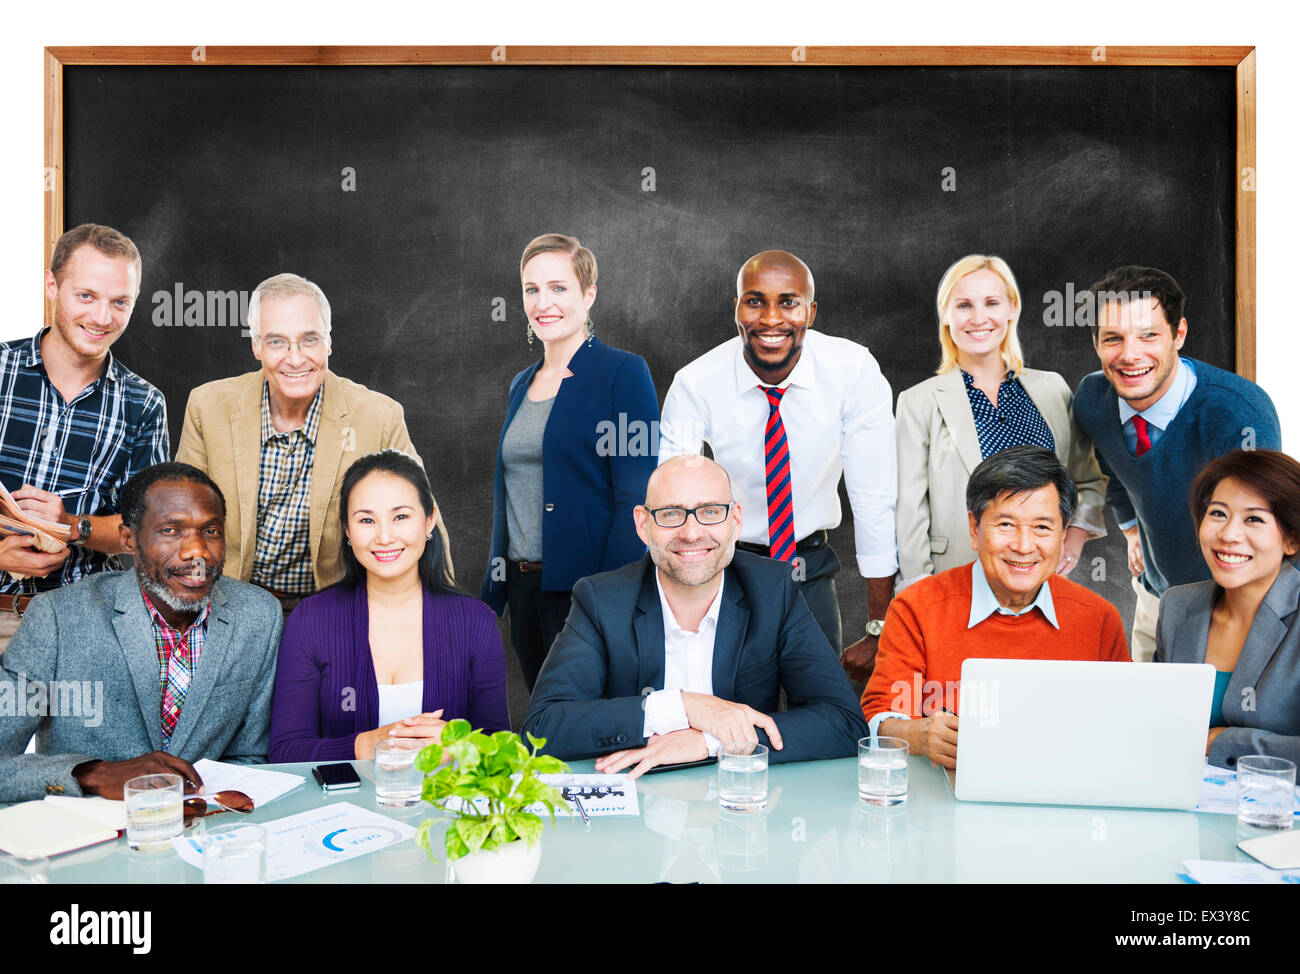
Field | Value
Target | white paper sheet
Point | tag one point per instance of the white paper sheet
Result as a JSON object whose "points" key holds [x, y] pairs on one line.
{"points": [[1207, 871], [259, 784], [311, 840]]}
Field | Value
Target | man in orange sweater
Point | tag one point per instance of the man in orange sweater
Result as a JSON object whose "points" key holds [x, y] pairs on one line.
{"points": [[1008, 604]]}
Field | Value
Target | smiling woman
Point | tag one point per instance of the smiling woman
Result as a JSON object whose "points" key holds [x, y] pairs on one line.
{"points": [[983, 400], [394, 650], [564, 488], [1246, 506]]}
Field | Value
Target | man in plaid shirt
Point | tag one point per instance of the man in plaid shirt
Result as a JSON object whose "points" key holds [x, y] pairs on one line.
{"points": [[75, 424]]}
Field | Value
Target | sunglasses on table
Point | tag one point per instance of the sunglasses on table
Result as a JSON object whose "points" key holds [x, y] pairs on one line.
{"points": [[222, 801]]}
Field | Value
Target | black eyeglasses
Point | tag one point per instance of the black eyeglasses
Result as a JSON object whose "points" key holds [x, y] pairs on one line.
{"points": [[675, 517]]}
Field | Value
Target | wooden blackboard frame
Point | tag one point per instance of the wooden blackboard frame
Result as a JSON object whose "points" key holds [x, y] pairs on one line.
{"points": [[1242, 59]]}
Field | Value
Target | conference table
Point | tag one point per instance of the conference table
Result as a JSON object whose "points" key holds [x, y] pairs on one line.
{"points": [[814, 830]]}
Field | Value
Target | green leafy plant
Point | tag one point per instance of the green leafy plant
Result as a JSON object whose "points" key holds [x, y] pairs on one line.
{"points": [[498, 772]]}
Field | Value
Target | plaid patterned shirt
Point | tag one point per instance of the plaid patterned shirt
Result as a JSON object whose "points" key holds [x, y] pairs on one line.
{"points": [[168, 642], [282, 558], [83, 450]]}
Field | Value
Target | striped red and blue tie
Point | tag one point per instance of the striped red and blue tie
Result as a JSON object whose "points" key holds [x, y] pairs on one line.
{"points": [[780, 500]]}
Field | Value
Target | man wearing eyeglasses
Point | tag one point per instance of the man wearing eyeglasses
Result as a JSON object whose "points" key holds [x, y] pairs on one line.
{"points": [[279, 440], [662, 660]]}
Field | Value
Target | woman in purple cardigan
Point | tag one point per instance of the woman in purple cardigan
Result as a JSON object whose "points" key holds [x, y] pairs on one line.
{"points": [[393, 648]]}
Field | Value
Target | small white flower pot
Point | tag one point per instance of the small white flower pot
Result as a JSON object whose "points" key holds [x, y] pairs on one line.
{"points": [[516, 862]]}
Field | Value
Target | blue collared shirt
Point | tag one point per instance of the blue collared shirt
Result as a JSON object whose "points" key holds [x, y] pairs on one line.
{"points": [[983, 603], [1158, 415], [1161, 413], [1014, 421]]}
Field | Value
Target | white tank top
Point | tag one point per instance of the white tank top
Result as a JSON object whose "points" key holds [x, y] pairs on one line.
{"points": [[398, 700]]}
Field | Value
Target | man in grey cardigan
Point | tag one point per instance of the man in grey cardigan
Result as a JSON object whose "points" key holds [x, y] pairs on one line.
{"points": [[141, 672]]}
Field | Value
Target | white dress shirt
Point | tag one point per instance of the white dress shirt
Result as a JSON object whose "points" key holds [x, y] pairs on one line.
{"points": [[688, 665], [838, 418]]}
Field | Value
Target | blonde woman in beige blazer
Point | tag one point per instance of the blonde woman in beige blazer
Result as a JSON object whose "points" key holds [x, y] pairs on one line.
{"points": [[938, 441]]}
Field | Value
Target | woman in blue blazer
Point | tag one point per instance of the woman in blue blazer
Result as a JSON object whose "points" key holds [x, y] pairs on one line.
{"points": [[578, 444], [1246, 622]]}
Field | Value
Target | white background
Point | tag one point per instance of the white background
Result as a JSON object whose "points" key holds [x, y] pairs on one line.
{"points": [[32, 26]]}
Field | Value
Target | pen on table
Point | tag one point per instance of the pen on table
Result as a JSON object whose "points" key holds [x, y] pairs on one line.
{"points": [[585, 820]]}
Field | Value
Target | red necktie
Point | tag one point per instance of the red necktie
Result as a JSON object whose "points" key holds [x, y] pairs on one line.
{"points": [[1143, 439], [780, 501]]}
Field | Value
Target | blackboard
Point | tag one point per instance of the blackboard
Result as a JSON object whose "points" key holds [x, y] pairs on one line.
{"points": [[408, 192]]}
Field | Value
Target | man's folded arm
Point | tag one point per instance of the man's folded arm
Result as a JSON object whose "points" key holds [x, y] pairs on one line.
{"points": [[568, 706], [31, 655], [824, 719]]}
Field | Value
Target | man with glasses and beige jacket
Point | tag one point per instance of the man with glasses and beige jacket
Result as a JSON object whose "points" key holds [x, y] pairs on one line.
{"points": [[279, 440]]}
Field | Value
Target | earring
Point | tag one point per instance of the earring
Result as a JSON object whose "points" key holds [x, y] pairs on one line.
{"points": [[348, 542], [591, 331], [528, 329], [429, 536]]}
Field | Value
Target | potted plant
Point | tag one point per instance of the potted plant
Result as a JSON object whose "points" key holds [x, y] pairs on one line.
{"points": [[486, 783]]}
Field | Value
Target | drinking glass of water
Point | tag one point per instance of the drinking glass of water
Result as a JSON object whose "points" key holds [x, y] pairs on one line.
{"points": [[1265, 792], [742, 776], [154, 811], [882, 770], [234, 854], [398, 782]]}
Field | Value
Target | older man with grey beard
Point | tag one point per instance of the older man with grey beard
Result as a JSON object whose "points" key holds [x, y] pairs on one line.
{"points": [[136, 638]]}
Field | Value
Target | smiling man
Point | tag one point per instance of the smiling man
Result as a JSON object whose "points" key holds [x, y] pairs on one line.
{"points": [[1008, 604], [787, 410], [690, 646], [140, 672], [279, 440], [1156, 419], [75, 424]]}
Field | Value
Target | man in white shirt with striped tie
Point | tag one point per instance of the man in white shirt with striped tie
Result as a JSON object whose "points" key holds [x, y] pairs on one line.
{"points": [[787, 410]]}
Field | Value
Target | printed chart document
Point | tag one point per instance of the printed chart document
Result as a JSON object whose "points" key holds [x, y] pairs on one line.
{"points": [[1219, 792], [1207, 871], [311, 840], [601, 794]]}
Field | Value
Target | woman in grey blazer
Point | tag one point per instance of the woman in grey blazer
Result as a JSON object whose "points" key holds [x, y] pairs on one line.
{"points": [[982, 401], [1245, 623]]}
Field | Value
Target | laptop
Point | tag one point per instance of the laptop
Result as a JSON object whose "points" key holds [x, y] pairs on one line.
{"points": [[1066, 732]]}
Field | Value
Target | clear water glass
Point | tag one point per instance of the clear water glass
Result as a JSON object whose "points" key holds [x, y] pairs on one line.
{"points": [[1265, 792], [882, 770], [234, 854], [154, 815], [398, 782], [742, 776]]}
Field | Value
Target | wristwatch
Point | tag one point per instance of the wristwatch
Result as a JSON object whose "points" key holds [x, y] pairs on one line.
{"points": [[83, 531], [875, 627]]}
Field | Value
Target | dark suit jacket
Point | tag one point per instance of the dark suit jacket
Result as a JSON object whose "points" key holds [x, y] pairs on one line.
{"points": [[1261, 707], [588, 698], [593, 474], [94, 640]]}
